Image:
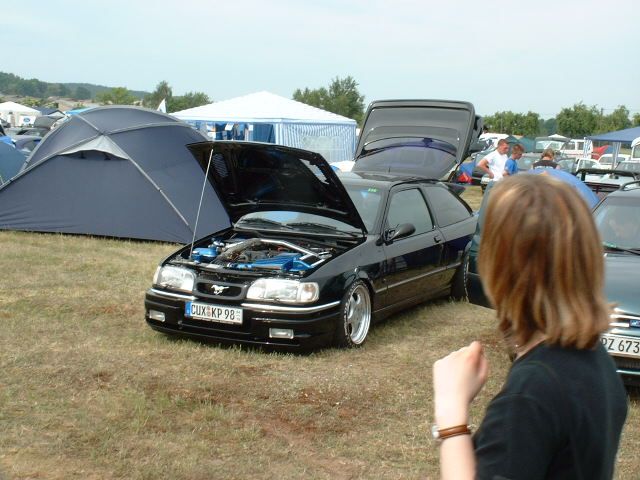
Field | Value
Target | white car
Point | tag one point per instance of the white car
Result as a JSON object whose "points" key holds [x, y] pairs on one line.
{"points": [[606, 160]]}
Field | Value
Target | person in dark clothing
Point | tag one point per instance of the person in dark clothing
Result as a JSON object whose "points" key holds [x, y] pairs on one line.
{"points": [[547, 160], [561, 410]]}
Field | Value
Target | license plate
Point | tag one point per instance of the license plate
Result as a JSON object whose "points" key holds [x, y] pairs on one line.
{"points": [[619, 345], [213, 313]]}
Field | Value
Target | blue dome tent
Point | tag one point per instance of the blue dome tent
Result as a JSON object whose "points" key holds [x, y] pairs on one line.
{"points": [[116, 171]]}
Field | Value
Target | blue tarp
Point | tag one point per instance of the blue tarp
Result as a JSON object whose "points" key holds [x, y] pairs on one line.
{"points": [[623, 136]]}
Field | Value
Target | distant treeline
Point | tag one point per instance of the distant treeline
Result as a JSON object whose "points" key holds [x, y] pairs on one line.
{"points": [[11, 84]]}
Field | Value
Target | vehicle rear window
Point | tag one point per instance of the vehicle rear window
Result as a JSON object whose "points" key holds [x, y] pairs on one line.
{"points": [[448, 208]]}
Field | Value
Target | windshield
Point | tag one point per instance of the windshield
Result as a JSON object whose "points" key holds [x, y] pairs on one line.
{"points": [[618, 220], [543, 144], [367, 201]]}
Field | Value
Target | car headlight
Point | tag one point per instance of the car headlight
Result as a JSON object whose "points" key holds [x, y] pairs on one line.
{"points": [[290, 291], [176, 278]]}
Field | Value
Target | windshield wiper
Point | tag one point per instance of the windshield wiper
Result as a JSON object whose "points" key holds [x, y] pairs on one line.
{"points": [[320, 226], [264, 221], [613, 246]]}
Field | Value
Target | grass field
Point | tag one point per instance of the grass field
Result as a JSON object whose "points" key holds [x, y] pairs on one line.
{"points": [[88, 391]]}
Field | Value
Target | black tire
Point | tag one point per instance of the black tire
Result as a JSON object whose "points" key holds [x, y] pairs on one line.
{"points": [[459, 282], [355, 316]]}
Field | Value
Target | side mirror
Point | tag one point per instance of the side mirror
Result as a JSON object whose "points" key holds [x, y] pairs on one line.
{"points": [[401, 231]]}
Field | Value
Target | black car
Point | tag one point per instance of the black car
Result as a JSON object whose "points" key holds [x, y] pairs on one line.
{"points": [[311, 259], [617, 217]]}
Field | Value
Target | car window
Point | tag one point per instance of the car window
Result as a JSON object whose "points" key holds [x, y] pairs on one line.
{"points": [[448, 208], [367, 202], [409, 206]]}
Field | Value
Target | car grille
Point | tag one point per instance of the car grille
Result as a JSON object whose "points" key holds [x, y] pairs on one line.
{"points": [[222, 290], [626, 362]]}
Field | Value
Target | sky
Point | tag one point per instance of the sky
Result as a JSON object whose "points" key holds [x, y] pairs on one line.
{"points": [[538, 56]]}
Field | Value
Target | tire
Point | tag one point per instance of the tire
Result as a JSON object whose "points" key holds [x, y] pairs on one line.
{"points": [[459, 282], [355, 316]]}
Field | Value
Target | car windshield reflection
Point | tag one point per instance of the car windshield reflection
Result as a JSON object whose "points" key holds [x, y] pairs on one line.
{"points": [[290, 220], [618, 221]]}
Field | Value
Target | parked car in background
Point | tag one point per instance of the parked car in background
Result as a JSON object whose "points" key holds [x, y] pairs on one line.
{"points": [[573, 148], [572, 165], [618, 220], [554, 142], [311, 259], [635, 150], [617, 217], [606, 160]]}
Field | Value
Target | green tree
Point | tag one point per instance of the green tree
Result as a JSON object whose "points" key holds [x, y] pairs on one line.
{"points": [[81, 93], [636, 120], [550, 126], [162, 92], [116, 96], [616, 120], [188, 100], [342, 97], [514, 123], [578, 121]]}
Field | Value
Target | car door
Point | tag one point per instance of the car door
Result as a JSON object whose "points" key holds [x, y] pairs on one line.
{"points": [[457, 224], [410, 261]]}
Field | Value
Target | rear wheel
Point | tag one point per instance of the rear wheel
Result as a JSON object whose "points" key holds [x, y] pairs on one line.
{"points": [[355, 316], [459, 282]]}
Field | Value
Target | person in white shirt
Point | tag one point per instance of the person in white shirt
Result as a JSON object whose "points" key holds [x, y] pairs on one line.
{"points": [[495, 162]]}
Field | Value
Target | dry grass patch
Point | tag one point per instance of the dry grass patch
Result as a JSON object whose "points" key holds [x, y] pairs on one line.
{"points": [[89, 391]]}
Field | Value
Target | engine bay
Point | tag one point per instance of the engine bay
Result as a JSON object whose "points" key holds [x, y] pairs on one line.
{"points": [[259, 254]]}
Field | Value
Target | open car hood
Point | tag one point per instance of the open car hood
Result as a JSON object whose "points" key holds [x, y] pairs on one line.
{"points": [[426, 137], [250, 177]]}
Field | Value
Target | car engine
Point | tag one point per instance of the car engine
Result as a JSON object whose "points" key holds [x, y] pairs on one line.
{"points": [[260, 254]]}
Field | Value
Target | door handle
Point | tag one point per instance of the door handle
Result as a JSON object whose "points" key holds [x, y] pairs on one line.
{"points": [[437, 239]]}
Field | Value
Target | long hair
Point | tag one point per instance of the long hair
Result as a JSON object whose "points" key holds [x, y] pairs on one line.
{"points": [[541, 262]]}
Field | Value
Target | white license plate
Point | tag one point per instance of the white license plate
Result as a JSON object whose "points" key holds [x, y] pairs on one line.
{"points": [[619, 345], [213, 313]]}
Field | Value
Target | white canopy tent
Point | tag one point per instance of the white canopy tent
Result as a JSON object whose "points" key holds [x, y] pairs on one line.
{"points": [[267, 117], [17, 114]]}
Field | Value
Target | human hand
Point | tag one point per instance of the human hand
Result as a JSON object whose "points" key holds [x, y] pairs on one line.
{"points": [[490, 174], [457, 379]]}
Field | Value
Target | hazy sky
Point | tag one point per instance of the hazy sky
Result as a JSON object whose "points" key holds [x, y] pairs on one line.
{"points": [[536, 55]]}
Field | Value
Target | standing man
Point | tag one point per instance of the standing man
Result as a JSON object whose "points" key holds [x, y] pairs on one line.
{"points": [[494, 163], [511, 168]]}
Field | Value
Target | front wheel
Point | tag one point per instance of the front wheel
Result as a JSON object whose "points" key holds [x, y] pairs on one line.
{"points": [[355, 316]]}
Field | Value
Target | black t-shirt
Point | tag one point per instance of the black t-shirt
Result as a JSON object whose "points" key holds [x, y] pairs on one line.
{"points": [[559, 416], [545, 164]]}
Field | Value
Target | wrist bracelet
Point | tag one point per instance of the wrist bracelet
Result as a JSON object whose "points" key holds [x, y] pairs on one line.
{"points": [[441, 434]]}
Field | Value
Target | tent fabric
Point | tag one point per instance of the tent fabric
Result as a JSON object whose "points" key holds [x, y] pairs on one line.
{"points": [[115, 171], [11, 161], [623, 136], [294, 124]]}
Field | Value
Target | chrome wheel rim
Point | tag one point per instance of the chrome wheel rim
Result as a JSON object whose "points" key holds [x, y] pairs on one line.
{"points": [[358, 315]]}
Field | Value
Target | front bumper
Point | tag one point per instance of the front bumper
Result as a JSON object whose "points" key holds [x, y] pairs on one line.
{"points": [[627, 363], [312, 326]]}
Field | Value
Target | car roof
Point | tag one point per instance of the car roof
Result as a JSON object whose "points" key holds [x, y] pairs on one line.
{"points": [[630, 189]]}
